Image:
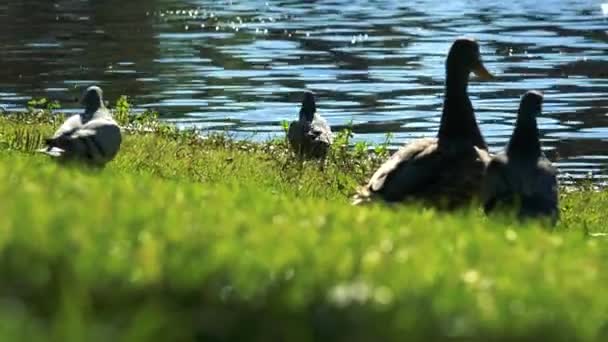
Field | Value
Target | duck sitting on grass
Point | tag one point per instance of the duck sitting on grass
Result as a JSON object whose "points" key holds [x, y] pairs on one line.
{"points": [[310, 136], [445, 171], [92, 137], [522, 178]]}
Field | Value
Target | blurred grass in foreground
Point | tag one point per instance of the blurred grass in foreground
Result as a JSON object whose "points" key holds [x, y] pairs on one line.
{"points": [[182, 238]]}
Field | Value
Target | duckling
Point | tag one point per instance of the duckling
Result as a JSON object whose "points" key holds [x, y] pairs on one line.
{"points": [[311, 135], [522, 177], [92, 137], [445, 171]]}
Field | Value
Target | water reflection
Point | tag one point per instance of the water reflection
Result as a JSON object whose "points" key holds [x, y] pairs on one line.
{"points": [[240, 65], [55, 48]]}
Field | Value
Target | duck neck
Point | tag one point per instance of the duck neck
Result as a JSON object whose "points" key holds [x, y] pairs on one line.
{"points": [[458, 121], [306, 115], [524, 142], [91, 108]]}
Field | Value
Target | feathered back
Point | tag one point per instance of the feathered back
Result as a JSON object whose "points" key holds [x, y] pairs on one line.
{"points": [[92, 137]]}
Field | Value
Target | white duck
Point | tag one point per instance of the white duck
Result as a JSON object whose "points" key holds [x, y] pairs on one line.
{"points": [[92, 137]]}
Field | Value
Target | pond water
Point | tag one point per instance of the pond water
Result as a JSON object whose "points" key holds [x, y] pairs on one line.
{"points": [[240, 66]]}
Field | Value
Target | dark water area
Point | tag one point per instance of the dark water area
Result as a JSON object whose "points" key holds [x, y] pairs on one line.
{"points": [[240, 66]]}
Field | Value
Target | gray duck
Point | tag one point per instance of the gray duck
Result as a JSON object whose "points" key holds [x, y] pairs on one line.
{"points": [[92, 137], [445, 171], [310, 136], [521, 177]]}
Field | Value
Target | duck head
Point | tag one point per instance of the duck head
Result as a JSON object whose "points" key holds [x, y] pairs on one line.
{"points": [[309, 106], [530, 106], [464, 56], [458, 122], [525, 141], [92, 99]]}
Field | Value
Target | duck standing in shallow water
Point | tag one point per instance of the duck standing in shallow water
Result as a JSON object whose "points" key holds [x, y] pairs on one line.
{"points": [[311, 135], [522, 177], [92, 137], [445, 171]]}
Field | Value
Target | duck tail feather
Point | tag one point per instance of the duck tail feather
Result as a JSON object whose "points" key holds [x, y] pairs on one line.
{"points": [[363, 196], [51, 151]]}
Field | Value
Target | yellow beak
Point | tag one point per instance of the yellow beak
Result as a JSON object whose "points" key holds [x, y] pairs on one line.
{"points": [[482, 72]]}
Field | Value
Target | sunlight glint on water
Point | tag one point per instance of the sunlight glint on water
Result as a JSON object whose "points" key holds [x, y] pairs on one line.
{"points": [[241, 65]]}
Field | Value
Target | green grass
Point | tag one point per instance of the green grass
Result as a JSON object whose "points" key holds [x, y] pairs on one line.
{"points": [[183, 239]]}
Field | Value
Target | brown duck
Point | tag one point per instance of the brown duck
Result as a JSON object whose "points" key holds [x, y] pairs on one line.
{"points": [[310, 136], [522, 178], [445, 171]]}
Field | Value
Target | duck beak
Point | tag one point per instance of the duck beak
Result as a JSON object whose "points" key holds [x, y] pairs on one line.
{"points": [[482, 72]]}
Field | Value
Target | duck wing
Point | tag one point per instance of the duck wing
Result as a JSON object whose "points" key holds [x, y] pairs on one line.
{"points": [[541, 197], [496, 186], [295, 135], [533, 187], [406, 172], [96, 142], [320, 130], [76, 122], [68, 127], [310, 139]]}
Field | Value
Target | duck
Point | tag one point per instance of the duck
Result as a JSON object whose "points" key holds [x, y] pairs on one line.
{"points": [[444, 171], [92, 137], [522, 178], [310, 136]]}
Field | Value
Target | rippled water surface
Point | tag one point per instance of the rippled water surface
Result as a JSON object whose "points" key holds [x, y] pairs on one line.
{"points": [[241, 65]]}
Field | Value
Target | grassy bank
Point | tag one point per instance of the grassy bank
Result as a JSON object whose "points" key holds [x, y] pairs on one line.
{"points": [[183, 238]]}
